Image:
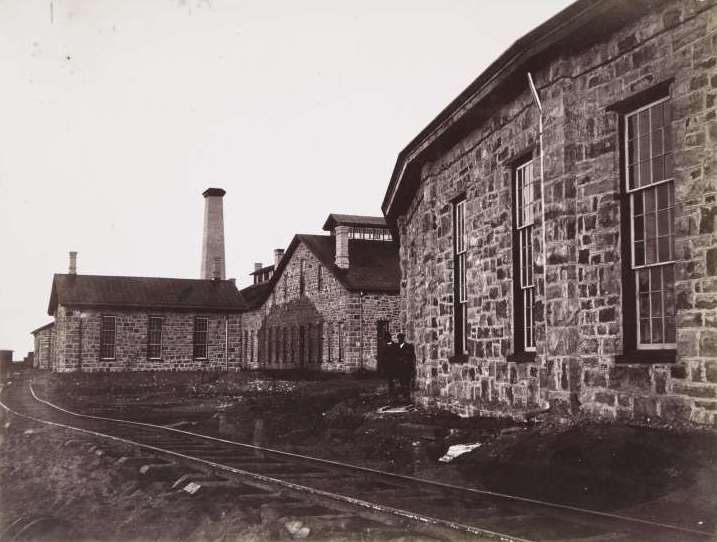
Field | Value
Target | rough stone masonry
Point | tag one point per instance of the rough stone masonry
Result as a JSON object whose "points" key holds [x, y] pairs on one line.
{"points": [[593, 65]]}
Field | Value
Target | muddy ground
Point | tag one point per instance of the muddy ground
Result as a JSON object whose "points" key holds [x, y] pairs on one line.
{"points": [[650, 473]]}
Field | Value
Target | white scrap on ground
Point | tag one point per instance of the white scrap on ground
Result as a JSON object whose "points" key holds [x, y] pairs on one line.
{"points": [[456, 450], [396, 409]]}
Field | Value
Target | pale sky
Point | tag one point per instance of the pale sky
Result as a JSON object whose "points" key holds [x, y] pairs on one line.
{"points": [[115, 115]]}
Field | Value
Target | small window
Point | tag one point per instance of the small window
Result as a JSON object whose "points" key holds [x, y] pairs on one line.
{"points": [[154, 333], [108, 334], [201, 326], [329, 341], [320, 340], [319, 278], [340, 331], [302, 268]]}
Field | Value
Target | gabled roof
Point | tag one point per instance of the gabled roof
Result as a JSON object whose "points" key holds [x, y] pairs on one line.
{"points": [[256, 294], [144, 292], [575, 27], [42, 328], [335, 219], [373, 265]]}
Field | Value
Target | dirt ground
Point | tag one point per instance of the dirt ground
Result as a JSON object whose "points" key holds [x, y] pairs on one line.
{"points": [[51, 476], [652, 473]]}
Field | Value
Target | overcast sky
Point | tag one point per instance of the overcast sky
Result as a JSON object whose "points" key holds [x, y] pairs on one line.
{"points": [[115, 115]]}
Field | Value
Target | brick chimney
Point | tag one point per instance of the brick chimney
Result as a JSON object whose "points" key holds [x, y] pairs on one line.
{"points": [[73, 263], [218, 269], [213, 238], [341, 233], [278, 254], [257, 267]]}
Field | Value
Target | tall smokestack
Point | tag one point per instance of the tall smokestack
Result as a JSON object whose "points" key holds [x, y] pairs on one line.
{"points": [[73, 263], [213, 239]]}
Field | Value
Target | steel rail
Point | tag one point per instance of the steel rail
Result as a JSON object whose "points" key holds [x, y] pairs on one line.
{"points": [[444, 485], [360, 503]]}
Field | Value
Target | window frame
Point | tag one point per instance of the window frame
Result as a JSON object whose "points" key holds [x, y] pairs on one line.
{"points": [[151, 344], [103, 337], [633, 350], [524, 284], [197, 333], [460, 287]]}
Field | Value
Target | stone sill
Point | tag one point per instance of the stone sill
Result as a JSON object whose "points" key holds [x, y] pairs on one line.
{"points": [[458, 358], [521, 357], [647, 356]]}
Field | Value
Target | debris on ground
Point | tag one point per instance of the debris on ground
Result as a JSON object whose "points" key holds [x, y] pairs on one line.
{"points": [[457, 450]]}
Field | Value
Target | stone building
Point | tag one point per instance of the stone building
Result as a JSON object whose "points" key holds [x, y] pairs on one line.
{"points": [[105, 323], [45, 346], [116, 323], [557, 222], [329, 300]]}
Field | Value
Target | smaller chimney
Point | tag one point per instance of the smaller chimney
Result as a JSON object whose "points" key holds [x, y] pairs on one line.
{"points": [[342, 246], [257, 266], [73, 263], [217, 269], [278, 254]]}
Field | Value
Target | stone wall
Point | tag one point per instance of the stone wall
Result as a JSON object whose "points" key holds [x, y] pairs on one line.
{"points": [[338, 325], [579, 321], [78, 340], [45, 348]]}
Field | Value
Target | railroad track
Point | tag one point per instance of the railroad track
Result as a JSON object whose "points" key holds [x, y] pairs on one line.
{"points": [[415, 506]]}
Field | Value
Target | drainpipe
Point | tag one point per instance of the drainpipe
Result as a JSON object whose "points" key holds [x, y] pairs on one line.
{"points": [[536, 98], [361, 294], [226, 342], [79, 353]]}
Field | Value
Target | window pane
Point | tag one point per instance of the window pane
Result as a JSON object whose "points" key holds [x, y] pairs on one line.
{"points": [[668, 166], [638, 228], [632, 127], [656, 330], [656, 116], [643, 280], [644, 121], [656, 304], [645, 173], [645, 334], [663, 195], [658, 171], [669, 330]]}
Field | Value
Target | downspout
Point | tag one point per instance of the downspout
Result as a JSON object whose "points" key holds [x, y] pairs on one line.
{"points": [[226, 342], [536, 98], [79, 353], [361, 294]]}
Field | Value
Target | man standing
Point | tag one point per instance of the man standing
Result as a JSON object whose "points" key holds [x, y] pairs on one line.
{"points": [[407, 366], [389, 366]]}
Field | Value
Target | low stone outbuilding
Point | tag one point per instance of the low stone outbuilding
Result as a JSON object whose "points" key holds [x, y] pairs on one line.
{"points": [[330, 300], [45, 347], [557, 222], [106, 323]]}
